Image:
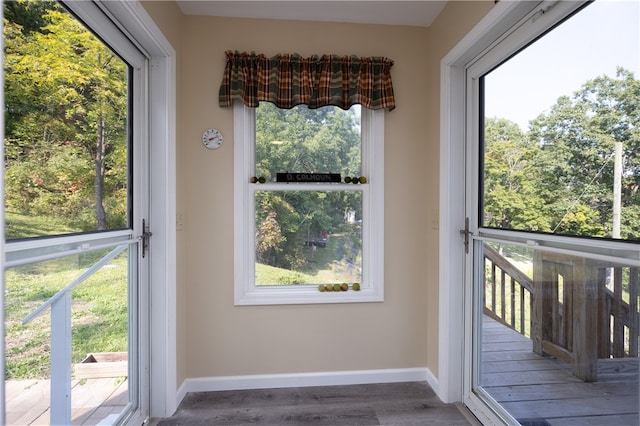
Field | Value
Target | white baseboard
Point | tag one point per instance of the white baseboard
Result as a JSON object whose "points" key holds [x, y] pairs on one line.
{"points": [[332, 378], [433, 383], [181, 393]]}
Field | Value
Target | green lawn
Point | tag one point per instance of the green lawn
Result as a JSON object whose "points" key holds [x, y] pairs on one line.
{"points": [[320, 267], [99, 310], [22, 226]]}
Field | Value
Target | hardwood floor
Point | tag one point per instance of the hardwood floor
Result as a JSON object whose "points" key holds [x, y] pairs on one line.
{"points": [[399, 404], [542, 391], [538, 391]]}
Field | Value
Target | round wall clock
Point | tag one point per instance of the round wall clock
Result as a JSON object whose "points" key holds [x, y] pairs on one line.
{"points": [[212, 138]]}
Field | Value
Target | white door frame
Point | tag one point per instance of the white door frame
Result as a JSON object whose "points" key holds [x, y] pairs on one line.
{"points": [[452, 193], [455, 325], [162, 174], [161, 99], [162, 216]]}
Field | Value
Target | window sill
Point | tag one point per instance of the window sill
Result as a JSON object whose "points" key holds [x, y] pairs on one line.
{"points": [[303, 295]]}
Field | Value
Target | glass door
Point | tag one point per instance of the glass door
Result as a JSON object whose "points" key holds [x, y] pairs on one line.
{"points": [[75, 273], [555, 255]]}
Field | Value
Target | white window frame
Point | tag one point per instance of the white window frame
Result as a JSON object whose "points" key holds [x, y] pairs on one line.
{"points": [[245, 290]]}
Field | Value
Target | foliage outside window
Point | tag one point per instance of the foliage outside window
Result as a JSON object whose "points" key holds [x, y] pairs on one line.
{"points": [[296, 241], [66, 149], [559, 176]]}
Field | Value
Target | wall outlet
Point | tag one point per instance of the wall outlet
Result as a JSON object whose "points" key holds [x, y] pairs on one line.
{"points": [[180, 222], [435, 220]]}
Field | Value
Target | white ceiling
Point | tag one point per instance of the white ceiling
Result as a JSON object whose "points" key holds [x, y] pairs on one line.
{"points": [[416, 13]]}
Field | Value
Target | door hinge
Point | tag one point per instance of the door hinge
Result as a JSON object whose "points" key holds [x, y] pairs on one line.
{"points": [[145, 238], [466, 233]]}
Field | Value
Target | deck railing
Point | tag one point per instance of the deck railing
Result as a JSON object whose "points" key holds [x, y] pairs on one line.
{"points": [[618, 311], [507, 292], [60, 304], [575, 309]]}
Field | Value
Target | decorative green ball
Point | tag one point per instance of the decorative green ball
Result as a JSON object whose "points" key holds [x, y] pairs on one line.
{"points": [[356, 286], [328, 287], [321, 288], [336, 287], [344, 287]]}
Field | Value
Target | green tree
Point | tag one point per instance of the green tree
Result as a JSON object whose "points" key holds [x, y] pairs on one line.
{"points": [[66, 98], [511, 196], [575, 167], [324, 140]]}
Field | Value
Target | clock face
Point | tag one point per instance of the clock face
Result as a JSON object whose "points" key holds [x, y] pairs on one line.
{"points": [[212, 138]]}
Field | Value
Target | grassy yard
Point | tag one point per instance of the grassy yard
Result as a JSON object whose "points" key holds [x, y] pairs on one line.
{"points": [[23, 226], [322, 266], [99, 311]]}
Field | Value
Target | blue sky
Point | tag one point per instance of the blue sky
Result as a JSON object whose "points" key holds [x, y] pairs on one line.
{"points": [[602, 36]]}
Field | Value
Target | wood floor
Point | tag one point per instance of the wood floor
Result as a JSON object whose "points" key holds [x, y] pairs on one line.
{"points": [[542, 391], [377, 404], [537, 391], [93, 401]]}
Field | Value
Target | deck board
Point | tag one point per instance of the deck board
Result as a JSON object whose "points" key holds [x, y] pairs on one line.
{"points": [[530, 386]]}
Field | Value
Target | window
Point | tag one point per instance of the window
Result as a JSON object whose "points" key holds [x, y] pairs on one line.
{"points": [[309, 205]]}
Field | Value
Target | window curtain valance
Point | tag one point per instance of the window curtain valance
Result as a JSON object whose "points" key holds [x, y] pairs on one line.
{"points": [[287, 80]]}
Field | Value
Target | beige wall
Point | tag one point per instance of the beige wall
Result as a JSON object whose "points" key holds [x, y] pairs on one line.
{"points": [[402, 332], [453, 23], [227, 340]]}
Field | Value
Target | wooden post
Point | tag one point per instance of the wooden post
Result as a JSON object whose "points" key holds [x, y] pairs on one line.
{"points": [[604, 309], [585, 320], [617, 348], [542, 303], [633, 312]]}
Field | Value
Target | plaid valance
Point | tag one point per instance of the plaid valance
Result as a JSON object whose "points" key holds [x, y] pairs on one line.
{"points": [[290, 80]]}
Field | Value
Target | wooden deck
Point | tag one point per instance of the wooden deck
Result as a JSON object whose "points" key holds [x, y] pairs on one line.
{"points": [[93, 401], [541, 391]]}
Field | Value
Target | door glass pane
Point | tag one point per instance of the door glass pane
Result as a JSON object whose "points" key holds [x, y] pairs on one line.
{"points": [[557, 335], [561, 145], [308, 237], [99, 347], [66, 137], [558, 341]]}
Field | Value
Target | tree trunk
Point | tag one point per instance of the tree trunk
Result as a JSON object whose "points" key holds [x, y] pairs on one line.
{"points": [[101, 148]]}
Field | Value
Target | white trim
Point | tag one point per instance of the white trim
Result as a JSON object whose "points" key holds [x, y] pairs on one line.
{"points": [[2, 242], [433, 382], [452, 195], [455, 305], [162, 115], [162, 133], [182, 392], [330, 378], [163, 243], [451, 295], [98, 20]]}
